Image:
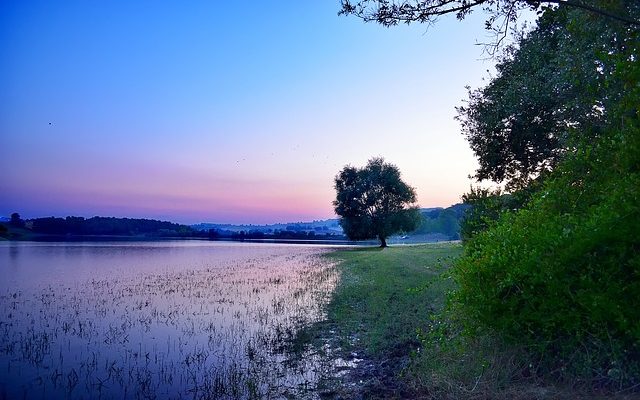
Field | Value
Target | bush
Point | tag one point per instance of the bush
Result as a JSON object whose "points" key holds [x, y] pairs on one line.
{"points": [[486, 206], [562, 275]]}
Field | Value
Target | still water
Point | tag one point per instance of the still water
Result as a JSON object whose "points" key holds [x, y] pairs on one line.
{"points": [[171, 319]]}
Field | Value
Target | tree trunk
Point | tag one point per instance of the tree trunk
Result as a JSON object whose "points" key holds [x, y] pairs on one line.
{"points": [[383, 241]]}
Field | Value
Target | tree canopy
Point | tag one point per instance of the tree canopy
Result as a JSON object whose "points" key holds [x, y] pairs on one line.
{"points": [[548, 87], [107, 226], [16, 220], [374, 202], [561, 272], [501, 12]]}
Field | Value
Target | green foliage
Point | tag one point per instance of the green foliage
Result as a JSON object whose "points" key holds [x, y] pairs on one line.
{"points": [[557, 78], [562, 275], [486, 206], [445, 221], [374, 202]]}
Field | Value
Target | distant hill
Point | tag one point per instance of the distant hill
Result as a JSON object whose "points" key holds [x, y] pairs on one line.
{"points": [[438, 224], [330, 226]]}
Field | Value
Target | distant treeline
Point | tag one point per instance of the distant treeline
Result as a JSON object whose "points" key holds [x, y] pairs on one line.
{"points": [[445, 221], [107, 226], [276, 235], [74, 228]]}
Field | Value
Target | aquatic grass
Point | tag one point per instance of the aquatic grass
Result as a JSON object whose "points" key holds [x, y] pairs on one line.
{"points": [[216, 331]]}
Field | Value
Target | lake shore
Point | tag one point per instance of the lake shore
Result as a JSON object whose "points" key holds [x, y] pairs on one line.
{"points": [[389, 339], [133, 238], [384, 297]]}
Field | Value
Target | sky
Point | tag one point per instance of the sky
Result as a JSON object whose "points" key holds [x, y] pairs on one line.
{"points": [[227, 112]]}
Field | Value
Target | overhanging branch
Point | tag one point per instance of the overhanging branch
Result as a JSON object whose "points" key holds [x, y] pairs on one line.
{"points": [[388, 12]]}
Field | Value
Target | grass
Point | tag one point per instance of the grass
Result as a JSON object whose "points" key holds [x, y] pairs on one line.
{"points": [[387, 328], [387, 295], [385, 300]]}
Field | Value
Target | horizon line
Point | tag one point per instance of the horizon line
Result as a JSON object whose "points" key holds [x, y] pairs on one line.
{"points": [[170, 219]]}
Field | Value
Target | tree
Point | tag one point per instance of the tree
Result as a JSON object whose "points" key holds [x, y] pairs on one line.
{"points": [[553, 83], [486, 206], [501, 12], [560, 276], [16, 220], [374, 202]]}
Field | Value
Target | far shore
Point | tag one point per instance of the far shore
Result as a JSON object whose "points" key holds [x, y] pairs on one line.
{"points": [[126, 238]]}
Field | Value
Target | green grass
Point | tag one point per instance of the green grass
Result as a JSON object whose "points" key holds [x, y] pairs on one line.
{"points": [[389, 309], [386, 299], [387, 295]]}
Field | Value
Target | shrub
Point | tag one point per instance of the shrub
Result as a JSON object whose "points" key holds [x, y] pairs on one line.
{"points": [[562, 275]]}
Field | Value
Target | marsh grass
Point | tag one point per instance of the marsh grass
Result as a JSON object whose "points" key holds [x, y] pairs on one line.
{"points": [[219, 331]]}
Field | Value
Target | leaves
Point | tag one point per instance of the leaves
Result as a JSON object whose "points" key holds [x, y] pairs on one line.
{"points": [[562, 275], [555, 82], [374, 201]]}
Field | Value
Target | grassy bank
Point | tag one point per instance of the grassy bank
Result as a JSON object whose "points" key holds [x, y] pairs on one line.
{"points": [[385, 301], [386, 295], [387, 331]]}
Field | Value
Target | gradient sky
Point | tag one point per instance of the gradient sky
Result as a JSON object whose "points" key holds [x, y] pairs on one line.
{"points": [[239, 112]]}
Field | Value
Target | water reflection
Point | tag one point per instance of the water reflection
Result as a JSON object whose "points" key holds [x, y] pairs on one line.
{"points": [[14, 252], [165, 319]]}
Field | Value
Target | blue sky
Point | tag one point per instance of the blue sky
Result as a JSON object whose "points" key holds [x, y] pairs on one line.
{"points": [[223, 111]]}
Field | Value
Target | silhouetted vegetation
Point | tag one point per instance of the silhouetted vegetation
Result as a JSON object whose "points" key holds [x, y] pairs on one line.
{"points": [[79, 228], [108, 226], [502, 14], [16, 221], [280, 235], [374, 202]]}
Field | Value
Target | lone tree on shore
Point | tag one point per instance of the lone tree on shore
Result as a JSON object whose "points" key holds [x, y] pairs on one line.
{"points": [[374, 202], [16, 221]]}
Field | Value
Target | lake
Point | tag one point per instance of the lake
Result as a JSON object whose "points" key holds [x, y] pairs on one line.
{"points": [[165, 319]]}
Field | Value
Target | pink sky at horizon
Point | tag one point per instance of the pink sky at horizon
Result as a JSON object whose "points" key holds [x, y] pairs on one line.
{"points": [[106, 109], [200, 199]]}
